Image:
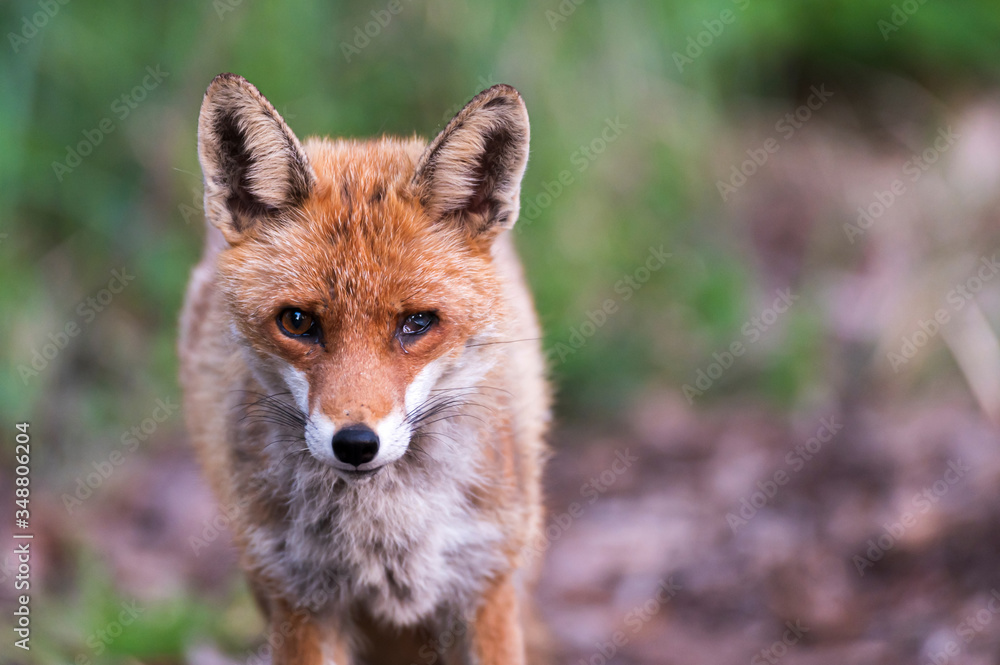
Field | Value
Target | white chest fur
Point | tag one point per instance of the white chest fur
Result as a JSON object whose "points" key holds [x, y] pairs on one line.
{"points": [[405, 543]]}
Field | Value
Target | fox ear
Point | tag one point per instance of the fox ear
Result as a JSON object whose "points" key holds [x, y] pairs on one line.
{"points": [[471, 173], [254, 167]]}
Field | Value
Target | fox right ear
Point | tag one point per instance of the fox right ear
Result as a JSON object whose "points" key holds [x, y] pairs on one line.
{"points": [[253, 165], [471, 173]]}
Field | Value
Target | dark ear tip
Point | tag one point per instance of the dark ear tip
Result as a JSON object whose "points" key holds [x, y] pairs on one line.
{"points": [[500, 94], [503, 88], [502, 91], [228, 79], [501, 98]]}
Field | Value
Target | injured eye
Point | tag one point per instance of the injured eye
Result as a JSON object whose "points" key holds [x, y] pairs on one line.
{"points": [[417, 324], [296, 323]]}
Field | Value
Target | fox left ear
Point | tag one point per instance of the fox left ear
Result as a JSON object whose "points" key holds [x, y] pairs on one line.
{"points": [[254, 167], [471, 173]]}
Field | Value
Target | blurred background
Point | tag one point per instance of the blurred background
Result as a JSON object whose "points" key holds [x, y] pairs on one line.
{"points": [[762, 237]]}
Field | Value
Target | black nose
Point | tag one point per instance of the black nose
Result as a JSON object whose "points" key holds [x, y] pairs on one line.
{"points": [[355, 445]]}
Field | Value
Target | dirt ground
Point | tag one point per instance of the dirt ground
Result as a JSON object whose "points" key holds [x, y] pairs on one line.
{"points": [[742, 538], [859, 526], [686, 537]]}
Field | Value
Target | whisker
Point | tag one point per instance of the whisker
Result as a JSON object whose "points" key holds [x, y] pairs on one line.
{"points": [[432, 406], [271, 409], [433, 436], [417, 450], [284, 439], [455, 415], [297, 451], [473, 389], [276, 410], [277, 418], [506, 341]]}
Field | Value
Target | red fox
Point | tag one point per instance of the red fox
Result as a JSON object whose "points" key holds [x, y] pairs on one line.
{"points": [[364, 383]]}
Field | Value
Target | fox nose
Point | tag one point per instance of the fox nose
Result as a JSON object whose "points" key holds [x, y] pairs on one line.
{"points": [[355, 445]]}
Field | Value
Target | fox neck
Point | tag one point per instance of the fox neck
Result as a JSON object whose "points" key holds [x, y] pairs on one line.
{"points": [[378, 537]]}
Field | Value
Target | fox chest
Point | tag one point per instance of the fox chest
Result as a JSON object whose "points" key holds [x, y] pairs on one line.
{"points": [[403, 554]]}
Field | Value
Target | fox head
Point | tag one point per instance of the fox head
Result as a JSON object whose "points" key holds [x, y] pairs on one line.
{"points": [[358, 275]]}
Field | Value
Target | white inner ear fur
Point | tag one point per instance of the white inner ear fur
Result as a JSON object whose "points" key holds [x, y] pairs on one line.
{"points": [[451, 183]]}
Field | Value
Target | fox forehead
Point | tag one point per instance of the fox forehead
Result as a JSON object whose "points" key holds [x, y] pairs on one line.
{"points": [[363, 170], [361, 246]]}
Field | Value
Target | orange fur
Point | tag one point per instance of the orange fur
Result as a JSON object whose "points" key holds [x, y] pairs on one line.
{"points": [[362, 236]]}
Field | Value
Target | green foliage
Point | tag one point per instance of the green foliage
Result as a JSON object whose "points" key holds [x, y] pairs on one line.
{"points": [[75, 85], [133, 200], [97, 624]]}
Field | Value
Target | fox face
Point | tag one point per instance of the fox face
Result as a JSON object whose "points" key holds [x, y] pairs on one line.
{"points": [[358, 276]]}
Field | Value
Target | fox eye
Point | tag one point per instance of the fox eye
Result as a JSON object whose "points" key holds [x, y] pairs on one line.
{"points": [[418, 324], [296, 323]]}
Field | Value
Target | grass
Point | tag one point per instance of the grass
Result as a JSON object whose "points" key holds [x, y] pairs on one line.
{"points": [[82, 82]]}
